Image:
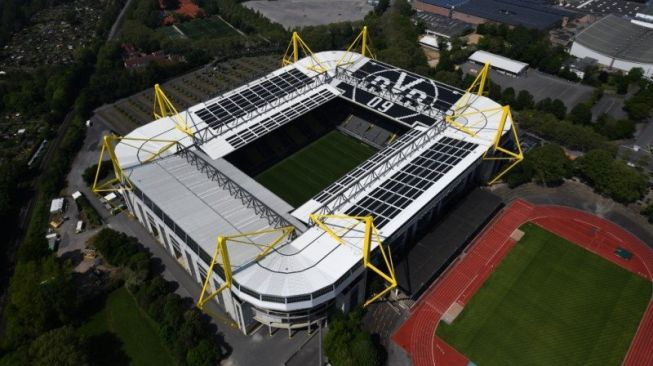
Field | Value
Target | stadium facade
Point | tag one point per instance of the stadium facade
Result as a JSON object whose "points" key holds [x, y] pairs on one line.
{"points": [[191, 194], [618, 43]]}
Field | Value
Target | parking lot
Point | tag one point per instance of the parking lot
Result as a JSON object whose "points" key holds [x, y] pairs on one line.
{"points": [[300, 13], [540, 85]]}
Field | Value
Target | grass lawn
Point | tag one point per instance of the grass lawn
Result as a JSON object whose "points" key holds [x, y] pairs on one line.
{"points": [[550, 302], [212, 27], [121, 318], [305, 173]]}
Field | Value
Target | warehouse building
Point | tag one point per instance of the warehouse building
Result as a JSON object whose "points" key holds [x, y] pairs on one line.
{"points": [[539, 14]]}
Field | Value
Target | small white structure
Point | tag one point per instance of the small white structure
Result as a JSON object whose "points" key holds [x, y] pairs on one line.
{"points": [[110, 197], [52, 240], [21, 131], [499, 63], [76, 195], [57, 205]]}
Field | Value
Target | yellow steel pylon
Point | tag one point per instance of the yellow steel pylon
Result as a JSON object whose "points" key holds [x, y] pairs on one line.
{"points": [[371, 234], [460, 107], [513, 157], [108, 148], [221, 250], [363, 39], [296, 47], [163, 107]]}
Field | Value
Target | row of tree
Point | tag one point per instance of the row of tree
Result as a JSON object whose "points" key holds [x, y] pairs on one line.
{"points": [[525, 44], [549, 165], [186, 331]]}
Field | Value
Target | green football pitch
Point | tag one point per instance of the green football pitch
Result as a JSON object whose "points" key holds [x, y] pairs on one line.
{"points": [[305, 173], [550, 302]]}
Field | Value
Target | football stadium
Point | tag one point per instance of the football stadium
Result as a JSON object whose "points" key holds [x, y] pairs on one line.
{"points": [[289, 195]]}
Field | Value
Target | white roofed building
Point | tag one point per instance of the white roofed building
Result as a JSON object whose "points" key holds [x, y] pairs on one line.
{"points": [[502, 64]]}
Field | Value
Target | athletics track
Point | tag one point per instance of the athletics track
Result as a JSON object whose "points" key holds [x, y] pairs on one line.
{"points": [[468, 272]]}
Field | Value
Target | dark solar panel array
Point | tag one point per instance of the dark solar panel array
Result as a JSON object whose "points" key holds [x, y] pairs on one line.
{"points": [[237, 105], [366, 167], [392, 196], [290, 113]]}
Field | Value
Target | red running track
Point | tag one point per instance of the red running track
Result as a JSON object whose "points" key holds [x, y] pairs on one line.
{"points": [[466, 275]]}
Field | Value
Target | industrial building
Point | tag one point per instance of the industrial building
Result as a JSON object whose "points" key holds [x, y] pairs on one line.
{"points": [[618, 43], [265, 261], [500, 63], [539, 14]]}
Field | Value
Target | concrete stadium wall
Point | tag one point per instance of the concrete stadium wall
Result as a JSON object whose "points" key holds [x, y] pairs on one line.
{"points": [[581, 51]]}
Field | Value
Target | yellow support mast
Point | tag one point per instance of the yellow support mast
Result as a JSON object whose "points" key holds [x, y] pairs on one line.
{"points": [[499, 152], [221, 250], [459, 109], [371, 235], [108, 148], [163, 107], [496, 151], [363, 39], [296, 48]]}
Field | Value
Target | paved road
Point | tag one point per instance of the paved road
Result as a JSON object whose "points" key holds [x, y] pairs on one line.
{"points": [[118, 23], [257, 349]]}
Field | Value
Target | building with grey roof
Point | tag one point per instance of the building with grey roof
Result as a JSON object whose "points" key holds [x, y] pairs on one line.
{"points": [[617, 43]]}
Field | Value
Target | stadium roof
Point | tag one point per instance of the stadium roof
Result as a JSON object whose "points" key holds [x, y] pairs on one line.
{"points": [[499, 62], [619, 38], [529, 13], [399, 180]]}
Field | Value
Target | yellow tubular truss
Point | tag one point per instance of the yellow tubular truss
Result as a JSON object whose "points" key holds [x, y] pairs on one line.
{"points": [[296, 47], [371, 235], [221, 250], [500, 153], [363, 39], [460, 108], [496, 151], [108, 148], [163, 107]]}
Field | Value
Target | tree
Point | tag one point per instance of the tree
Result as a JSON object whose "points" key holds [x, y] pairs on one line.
{"points": [[204, 354], [581, 114], [547, 165], [524, 100], [58, 347], [508, 96], [613, 129], [612, 177], [635, 74], [347, 344], [648, 212]]}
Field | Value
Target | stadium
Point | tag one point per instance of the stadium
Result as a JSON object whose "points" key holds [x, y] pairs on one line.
{"points": [[284, 197]]}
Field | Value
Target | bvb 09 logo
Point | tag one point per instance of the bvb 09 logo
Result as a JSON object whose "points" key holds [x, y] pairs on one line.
{"points": [[410, 90]]}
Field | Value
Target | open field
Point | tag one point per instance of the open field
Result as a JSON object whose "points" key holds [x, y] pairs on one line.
{"points": [[550, 302], [140, 339], [308, 171], [212, 27]]}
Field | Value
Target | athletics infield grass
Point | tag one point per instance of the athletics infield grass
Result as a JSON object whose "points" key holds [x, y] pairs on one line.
{"points": [[305, 173], [550, 302]]}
